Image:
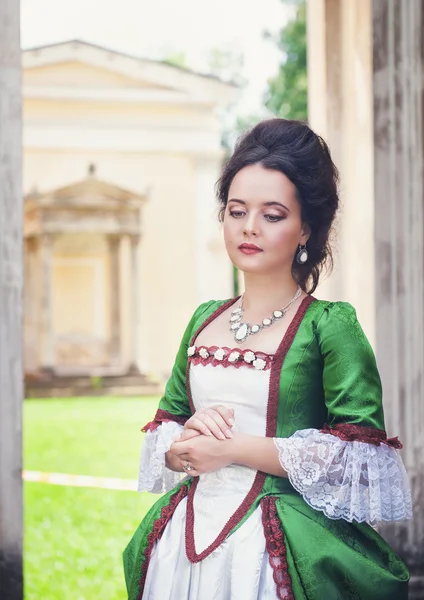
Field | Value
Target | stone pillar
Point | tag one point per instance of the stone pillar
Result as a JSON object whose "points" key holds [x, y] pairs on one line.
{"points": [[31, 310], [114, 242], [399, 232], [340, 109], [45, 303], [11, 293], [135, 304]]}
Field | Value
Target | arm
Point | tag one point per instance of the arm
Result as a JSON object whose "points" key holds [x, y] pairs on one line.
{"points": [[348, 469], [206, 453], [259, 453]]}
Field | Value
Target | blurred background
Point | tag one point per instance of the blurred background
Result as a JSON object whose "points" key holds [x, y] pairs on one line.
{"points": [[129, 110]]}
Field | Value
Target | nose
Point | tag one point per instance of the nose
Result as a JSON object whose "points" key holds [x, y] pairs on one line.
{"points": [[250, 227]]}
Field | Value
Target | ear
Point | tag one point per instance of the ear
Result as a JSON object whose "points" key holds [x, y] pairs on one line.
{"points": [[306, 234]]}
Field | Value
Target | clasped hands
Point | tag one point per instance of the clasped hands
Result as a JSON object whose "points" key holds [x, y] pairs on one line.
{"points": [[205, 443]]}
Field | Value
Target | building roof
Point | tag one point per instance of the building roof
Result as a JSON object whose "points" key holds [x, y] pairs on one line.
{"points": [[76, 69], [78, 43]]}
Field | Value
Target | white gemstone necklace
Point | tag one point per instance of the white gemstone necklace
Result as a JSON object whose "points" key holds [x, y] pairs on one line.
{"points": [[243, 330]]}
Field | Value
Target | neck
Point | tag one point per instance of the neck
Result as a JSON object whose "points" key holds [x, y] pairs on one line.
{"points": [[265, 293]]}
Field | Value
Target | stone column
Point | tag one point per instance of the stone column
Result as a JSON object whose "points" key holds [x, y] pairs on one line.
{"points": [[31, 310], [135, 304], [46, 303], [399, 258], [340, 109], [114, 242], [11, 292]]}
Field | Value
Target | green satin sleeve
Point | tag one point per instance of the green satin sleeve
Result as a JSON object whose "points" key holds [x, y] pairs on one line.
{"points": [[351, 381], [174, 404]]}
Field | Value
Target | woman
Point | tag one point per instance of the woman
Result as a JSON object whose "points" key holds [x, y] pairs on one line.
{"points": [[274, 412]]}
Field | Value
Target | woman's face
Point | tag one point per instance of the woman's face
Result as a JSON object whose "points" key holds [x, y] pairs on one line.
{"points": [[262, 221]]}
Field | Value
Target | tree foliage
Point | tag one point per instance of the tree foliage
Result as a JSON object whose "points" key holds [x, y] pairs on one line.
{"points": [[176, 59], [287, 92], [227, 64]]}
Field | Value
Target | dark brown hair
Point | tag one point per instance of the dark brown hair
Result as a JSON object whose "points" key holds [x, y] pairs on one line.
{"points": [[292, 148]]}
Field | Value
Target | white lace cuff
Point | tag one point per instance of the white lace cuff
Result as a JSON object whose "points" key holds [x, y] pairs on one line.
{"points": [[154, 476], [346, 480]]}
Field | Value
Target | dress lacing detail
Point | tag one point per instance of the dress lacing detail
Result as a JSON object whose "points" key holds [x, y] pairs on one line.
{"points": [[276, 548], [229, 357], [156, 533]]}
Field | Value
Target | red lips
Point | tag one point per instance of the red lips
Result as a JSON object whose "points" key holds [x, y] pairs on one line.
{"points": [[249, 248]]}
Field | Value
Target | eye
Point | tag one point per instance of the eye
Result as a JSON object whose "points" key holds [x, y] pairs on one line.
{"points": [[237, 214], [273, 218]]}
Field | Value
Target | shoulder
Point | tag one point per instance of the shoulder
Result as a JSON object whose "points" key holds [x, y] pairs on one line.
{"points": [[211, 306], [338, 311], [338, 326], [206, 309], [328, 309]]}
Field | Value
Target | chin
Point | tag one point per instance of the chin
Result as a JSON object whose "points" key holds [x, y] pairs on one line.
{"points": [[249, 266]]}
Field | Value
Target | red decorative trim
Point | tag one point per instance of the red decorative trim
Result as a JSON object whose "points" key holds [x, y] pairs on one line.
{"points": [[163, 416], [211, 317], [271, 430], [156, 533], [197, 359], [232, 521], [274, 539], [358, 433], [277, 365]]}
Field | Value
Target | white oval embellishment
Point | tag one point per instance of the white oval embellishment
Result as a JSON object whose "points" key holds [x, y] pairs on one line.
{"points": [[266, 322], [255, 328], [242, 332], [278, 314]]}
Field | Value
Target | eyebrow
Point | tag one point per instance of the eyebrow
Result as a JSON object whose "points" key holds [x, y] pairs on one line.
{"points": [[271, 203]]}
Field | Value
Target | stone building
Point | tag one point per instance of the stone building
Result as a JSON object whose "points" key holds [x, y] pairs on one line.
{"points": [[366, 60], [121, 156]]}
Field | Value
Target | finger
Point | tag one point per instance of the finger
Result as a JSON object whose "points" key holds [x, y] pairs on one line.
{"points": [[220, 422], [187, 434], [198, 424], [214, 426], [192, 472], [179, 449], [226, 413]]}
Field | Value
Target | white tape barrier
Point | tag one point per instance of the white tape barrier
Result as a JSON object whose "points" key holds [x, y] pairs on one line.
{"points": [[105, 483]]}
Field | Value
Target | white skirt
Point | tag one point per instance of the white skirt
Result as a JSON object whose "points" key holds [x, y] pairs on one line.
{"points": [[238, 569]]}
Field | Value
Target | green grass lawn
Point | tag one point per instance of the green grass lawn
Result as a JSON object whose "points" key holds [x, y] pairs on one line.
{"points": [[74, 537]]}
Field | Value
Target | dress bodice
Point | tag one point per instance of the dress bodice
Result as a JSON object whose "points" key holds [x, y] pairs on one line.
{"points": [[244, 387], [238, 385]]}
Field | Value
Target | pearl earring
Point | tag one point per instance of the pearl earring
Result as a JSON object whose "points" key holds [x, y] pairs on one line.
{"points": [[302, 255]]}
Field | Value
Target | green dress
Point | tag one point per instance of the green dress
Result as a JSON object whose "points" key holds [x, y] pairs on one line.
{"points": [[325, 414]]}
